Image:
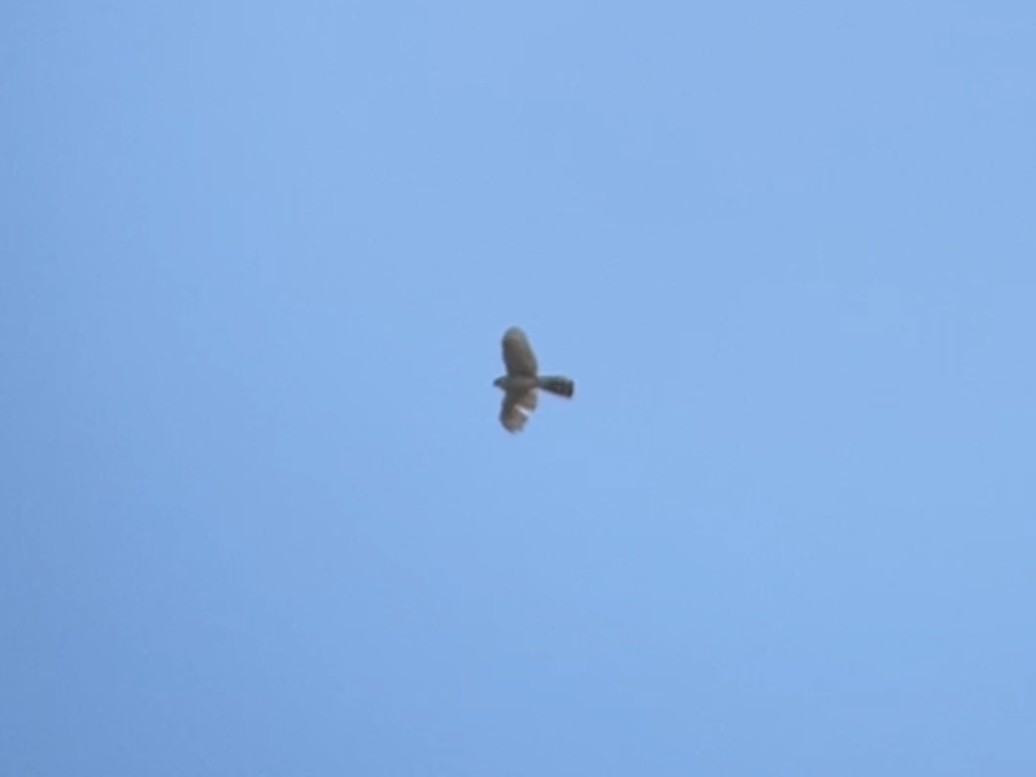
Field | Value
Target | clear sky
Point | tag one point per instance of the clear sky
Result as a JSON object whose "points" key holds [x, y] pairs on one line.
{"points": [[258, 516]]}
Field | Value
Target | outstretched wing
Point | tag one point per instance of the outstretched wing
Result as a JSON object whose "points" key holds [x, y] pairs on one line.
{"points": [[518, 355], [514, 411]]}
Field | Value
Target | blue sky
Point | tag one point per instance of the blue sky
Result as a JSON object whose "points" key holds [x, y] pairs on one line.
{"points": [[258, 516]]}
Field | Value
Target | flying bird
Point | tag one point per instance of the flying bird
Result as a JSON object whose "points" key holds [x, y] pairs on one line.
{"points": [[523, 379]]}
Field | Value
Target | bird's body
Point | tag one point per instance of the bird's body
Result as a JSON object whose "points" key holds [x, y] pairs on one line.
{"points": [[522, 381]]}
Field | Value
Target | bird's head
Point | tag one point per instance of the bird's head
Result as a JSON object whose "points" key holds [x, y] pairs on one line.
{"points": [[499, 382]]}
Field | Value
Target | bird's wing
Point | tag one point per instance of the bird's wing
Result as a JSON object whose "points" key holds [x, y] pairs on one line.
{"points": [[515, 409], [518, 355]]}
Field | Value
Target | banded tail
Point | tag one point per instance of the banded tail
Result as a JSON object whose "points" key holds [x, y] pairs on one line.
{"points": [[558, 384]]}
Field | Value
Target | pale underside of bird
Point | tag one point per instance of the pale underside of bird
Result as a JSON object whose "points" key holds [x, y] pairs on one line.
{"points": [[522, 381]]}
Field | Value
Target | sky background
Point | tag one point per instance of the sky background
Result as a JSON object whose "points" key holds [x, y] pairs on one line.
{"points": [[258, 516]]}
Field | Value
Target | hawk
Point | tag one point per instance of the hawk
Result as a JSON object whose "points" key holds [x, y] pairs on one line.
{"points": [[522, 379]]}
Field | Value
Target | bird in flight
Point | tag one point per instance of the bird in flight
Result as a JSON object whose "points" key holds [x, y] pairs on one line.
{"points": [[523, 379]]}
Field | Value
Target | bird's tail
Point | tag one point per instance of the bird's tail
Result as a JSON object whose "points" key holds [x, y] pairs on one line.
{"points": [[558, 384]]}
